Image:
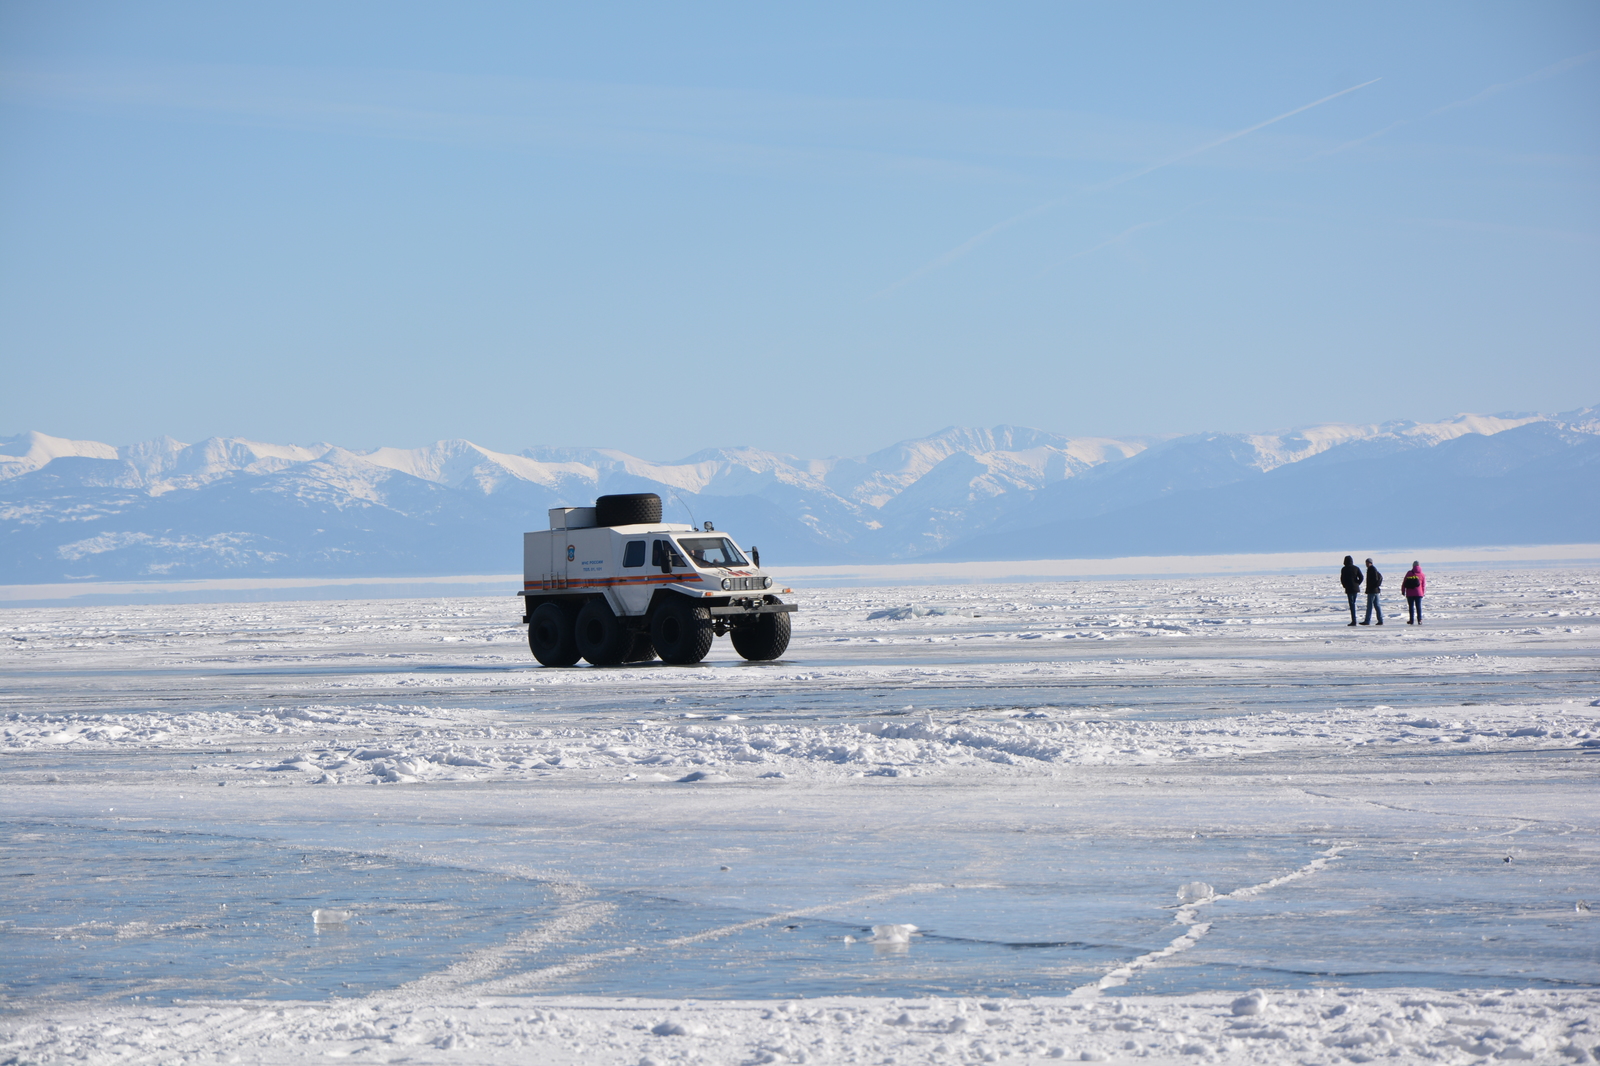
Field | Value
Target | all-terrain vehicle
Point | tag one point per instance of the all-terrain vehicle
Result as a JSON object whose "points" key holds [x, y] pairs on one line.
{"points": [[614, 584]]}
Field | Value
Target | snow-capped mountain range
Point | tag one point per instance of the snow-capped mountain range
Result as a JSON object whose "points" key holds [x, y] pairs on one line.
{"points": [[84, 510]]}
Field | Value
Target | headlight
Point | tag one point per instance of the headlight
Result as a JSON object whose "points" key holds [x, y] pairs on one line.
{"points": [[766, 582], [727, 583]]}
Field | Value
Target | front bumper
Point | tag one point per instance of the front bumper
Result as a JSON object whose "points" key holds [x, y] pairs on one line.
{"points": [[758, 608]]}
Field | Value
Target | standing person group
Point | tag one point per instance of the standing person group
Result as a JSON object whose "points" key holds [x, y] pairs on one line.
{"points": [[1413, 586]]}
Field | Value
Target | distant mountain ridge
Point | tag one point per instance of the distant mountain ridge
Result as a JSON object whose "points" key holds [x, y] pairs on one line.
{"points": [[83, 510]]}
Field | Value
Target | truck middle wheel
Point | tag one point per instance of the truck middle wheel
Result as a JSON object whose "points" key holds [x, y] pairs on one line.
{"points": [[602, 638], [681, 631]]}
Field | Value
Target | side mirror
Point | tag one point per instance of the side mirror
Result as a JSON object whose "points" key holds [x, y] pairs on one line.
{"points": [[755, 556]]}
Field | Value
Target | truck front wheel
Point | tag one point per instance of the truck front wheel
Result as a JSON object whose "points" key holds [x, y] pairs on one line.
{"points": [[602, 638], [765, 637], [550, 636], [681, 632]]}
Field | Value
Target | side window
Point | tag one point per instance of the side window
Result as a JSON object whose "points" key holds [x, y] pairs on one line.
{"points": [[633, 554]]}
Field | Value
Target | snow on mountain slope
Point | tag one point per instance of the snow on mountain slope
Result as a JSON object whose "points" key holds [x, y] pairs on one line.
{"points": [[1027, 456], [32, 451], [1279, 449], [1532, 483], [230, 505]]}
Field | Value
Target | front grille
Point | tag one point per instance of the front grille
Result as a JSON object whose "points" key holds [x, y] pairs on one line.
{"points": [[744, 584]]}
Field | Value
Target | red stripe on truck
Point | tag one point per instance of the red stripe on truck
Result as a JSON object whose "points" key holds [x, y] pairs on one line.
{"points": [[603, 582]]}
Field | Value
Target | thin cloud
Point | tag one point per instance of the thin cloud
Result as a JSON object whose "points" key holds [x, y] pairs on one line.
{"points": [[1538, 233], [942, 261]]}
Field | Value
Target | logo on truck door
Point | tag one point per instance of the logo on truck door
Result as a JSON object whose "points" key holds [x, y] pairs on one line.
{"points": [[572, 552]]}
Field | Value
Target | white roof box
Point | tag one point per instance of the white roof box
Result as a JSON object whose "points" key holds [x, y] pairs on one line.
{"points": [[571, 517]]}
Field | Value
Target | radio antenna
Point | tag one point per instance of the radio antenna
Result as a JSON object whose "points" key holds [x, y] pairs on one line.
{"points": [[685, 506]]}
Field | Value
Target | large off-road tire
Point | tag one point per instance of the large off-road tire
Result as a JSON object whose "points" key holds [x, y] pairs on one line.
{"points": [[681, 631], [602, 637], [642, 651], [628, 509], [767, 637], [551, 637]]}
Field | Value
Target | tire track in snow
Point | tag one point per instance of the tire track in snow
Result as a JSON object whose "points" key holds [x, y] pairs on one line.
{"points": [[482, 965], [1187, 915], [1568, 827], [518, 983]]}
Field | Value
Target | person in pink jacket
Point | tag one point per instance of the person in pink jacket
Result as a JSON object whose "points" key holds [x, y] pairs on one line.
{"points": [[1414, 585]]}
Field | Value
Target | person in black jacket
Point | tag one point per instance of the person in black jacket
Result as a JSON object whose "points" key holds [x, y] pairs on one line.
{"points": [[1374, 583], [1350, 578]]}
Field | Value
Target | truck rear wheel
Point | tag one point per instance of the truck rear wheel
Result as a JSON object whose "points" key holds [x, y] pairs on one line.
{"points": [[602, 638], [767, 637], [550, 636], [681, 631]]}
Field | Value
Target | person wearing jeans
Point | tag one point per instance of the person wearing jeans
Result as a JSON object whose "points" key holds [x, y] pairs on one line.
{"points": [[1374, 583], [1412, 587]]}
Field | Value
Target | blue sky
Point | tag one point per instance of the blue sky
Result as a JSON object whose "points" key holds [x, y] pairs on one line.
{"points": [[664, 228]]}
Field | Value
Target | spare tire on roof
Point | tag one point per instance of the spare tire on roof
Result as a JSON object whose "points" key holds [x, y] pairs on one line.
{"points": [[628, 509]]}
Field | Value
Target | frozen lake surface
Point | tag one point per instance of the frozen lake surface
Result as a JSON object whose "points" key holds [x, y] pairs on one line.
{"points": [[1027, 775]]}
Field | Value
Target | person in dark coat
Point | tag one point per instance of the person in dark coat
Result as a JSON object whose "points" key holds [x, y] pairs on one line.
{"points": [[1374, 583], [1350, 578]]}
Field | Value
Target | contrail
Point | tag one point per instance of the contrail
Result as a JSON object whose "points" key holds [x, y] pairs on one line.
{"points": [[1230, 137], [1546, 72], [1363, 140], [1130, 231], [962, 249]]}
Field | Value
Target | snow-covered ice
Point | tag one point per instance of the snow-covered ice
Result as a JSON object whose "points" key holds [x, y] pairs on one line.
{"points": [[1173, 819]]}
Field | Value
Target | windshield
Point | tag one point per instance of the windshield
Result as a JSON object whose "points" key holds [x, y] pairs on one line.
{"points": [[712, 551]]}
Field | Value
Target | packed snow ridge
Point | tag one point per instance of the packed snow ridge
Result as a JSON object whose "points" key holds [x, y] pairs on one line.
{"points": [[1306, 1026]]}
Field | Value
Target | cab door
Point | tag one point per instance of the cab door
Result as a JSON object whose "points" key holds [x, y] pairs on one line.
{"points": [[634, 587]]}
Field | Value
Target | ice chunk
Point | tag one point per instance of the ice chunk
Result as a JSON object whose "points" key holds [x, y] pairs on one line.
{"points": [[325, 916], [709, 777], [892, 934], [1253, 1002], [1195, 891], [900, 614]]}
